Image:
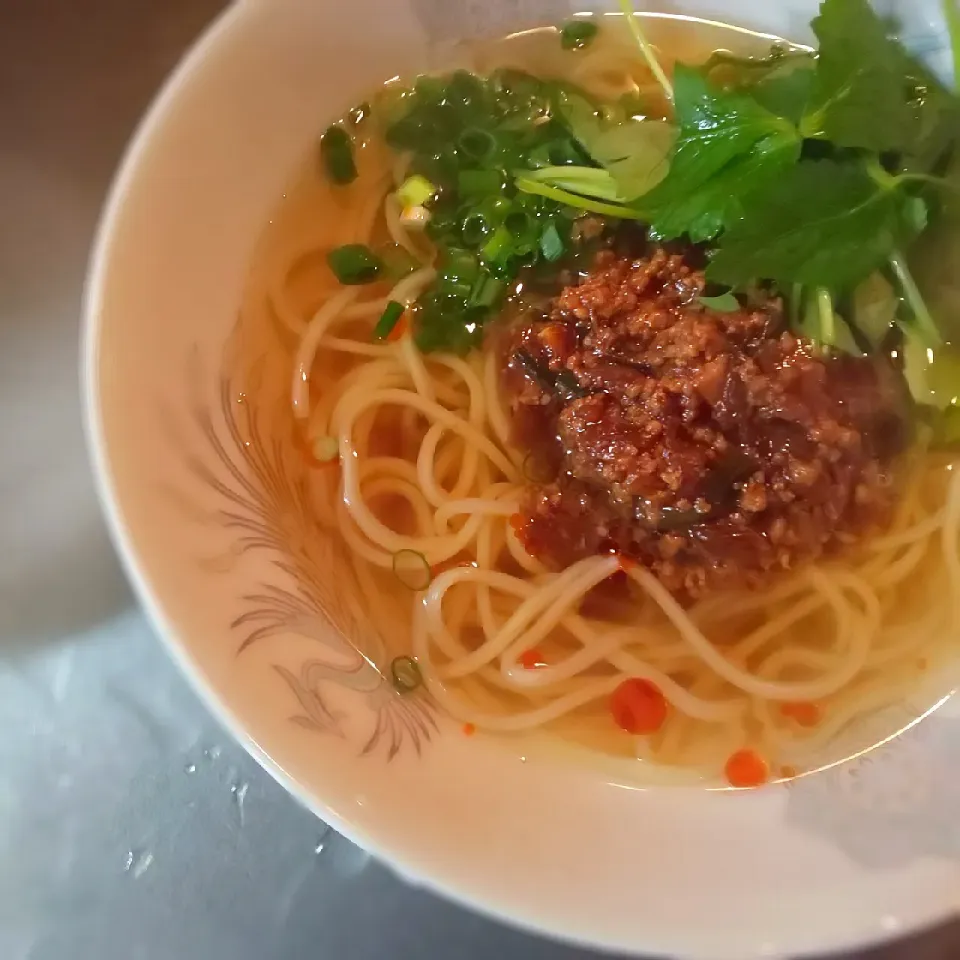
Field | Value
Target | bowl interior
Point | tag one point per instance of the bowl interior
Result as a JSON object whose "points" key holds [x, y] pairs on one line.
{"points": [[205, 512]]}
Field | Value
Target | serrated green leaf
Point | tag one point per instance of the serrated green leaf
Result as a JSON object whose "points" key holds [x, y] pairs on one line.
{"points": [[821, 224], [722, 303], [860, 98], [786, 93], [728, 146], [719, 203]]}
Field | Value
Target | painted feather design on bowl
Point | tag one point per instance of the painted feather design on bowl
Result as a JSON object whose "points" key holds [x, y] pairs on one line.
{"points": [[266, 505]]}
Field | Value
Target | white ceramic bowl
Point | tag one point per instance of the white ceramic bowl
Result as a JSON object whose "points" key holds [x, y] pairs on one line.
{"points": [[861, 852]]}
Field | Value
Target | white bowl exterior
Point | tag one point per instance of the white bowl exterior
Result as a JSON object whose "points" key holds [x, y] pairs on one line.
{"points": [[547, 845]]}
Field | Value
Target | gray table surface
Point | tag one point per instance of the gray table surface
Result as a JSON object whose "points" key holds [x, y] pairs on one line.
{"points": [[131, 828]]}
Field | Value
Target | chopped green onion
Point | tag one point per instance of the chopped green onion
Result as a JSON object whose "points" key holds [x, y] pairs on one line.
{"points": [[499, 246], [411, 569], [723, 303], [390, 317], [576, 34], [336, 152], [479, 183], [521, 225], [551, 243], [478, 144], [405, 674], [398, 262], [460, 269], [415, 191], [495, 208], [486, 291], [326, 449], [475, 229], [354, 264]]}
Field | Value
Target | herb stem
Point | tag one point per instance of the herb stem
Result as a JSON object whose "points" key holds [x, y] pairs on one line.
{"points": [[942, 182], [925, 325], [646, 48], [526, 185], [828, 330]]}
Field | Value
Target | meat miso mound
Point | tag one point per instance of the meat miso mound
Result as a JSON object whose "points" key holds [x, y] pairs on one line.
{"points": [[715, 448]]}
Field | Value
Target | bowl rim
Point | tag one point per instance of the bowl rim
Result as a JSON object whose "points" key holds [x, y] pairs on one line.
{"points": [[139, 146]]}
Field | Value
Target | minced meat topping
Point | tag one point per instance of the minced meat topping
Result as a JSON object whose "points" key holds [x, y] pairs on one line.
{"points": [[714, 448]]}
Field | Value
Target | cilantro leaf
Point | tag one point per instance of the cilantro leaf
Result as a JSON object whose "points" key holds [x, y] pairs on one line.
{"points": [[728, 144], [716, 126], [739, 70], [722, 302], [936, 118], [786, 93], [781, 82], [861, 96], [719, 203], [821, 224]]}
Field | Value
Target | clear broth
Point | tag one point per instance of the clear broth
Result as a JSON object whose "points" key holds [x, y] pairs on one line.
{"points": [[314, 217]]}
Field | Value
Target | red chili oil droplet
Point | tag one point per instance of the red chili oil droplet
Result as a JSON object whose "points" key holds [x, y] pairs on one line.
{"points": [[532, 659], [804, 713], [638, 706], [746, 768]]}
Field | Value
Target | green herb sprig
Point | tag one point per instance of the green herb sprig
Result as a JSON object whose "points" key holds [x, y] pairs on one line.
{"points": [[812, 173]]}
